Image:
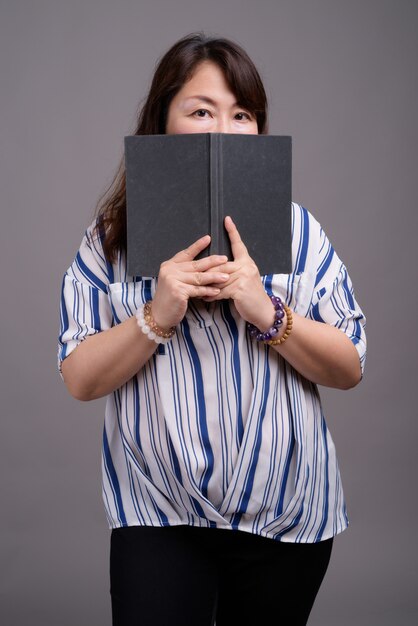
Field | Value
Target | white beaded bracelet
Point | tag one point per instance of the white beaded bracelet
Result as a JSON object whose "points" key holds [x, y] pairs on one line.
{"points": [[148, 326]]}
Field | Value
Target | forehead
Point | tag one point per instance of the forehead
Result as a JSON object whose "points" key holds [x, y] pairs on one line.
{"points": [[206, 76]]}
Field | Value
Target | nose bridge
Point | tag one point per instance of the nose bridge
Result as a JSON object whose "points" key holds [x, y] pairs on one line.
{"points": [[223, 123]]}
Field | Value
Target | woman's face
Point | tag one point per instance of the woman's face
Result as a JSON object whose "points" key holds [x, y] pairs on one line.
{"points": [[205, 104]]}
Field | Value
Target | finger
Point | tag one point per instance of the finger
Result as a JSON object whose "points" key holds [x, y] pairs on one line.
{"points": [[203, 292], [203, 278], [226, 292], [209, 298], [220, 295], [238, 247], [230, 267], [205, 264], [227, 289], [192, 251]]}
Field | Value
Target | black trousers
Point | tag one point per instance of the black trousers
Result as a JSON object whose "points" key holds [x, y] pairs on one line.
{"points": [[187, 576]]}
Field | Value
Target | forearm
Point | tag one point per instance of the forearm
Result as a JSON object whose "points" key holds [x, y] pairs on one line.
{"points": [[321, 353], [105, 361]]}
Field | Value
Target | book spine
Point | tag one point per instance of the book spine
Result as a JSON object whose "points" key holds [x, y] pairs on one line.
{"points": [[215, 192]]}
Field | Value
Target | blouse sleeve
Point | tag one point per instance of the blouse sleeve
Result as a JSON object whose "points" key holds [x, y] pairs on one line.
{"points": [[334, 301], [85, 308]]}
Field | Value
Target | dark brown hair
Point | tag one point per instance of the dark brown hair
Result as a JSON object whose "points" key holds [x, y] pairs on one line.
{"points": [[174, 69]]}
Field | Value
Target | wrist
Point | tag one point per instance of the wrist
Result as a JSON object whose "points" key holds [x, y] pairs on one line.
{"points": [[285, 329], [263, 316], [278, 329], [167, 312], [149, 325]]}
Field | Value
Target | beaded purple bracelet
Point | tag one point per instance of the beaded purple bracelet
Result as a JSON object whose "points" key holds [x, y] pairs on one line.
{"points": [[270, 334]]}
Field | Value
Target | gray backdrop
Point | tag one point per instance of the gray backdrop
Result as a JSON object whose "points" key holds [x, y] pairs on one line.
{"points": [[341, 78]]}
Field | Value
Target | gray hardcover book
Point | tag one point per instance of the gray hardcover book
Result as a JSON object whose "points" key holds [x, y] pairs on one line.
{"points": [[180, 187]]}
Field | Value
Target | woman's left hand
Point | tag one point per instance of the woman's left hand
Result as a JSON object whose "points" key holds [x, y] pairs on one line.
{"points": [[244, 285], [320, 352]]}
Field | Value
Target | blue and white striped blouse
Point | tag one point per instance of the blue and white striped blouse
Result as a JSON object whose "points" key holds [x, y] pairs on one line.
{"points": [[216, 429]]}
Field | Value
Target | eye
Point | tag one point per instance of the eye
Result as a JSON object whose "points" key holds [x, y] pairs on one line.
{"points": [[242, 115], [200, 113]]}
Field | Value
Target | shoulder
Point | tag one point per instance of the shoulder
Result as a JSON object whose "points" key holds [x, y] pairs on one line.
{"points": [[303, 222], [94, 236], [306, 237], [90, 264]]}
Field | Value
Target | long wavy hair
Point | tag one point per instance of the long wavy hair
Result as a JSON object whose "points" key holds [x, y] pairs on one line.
{"points": [[174, 69]]}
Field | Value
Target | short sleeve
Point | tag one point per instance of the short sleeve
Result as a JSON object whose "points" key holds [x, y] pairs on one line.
{"points": [[84, 309], [334, 301]]}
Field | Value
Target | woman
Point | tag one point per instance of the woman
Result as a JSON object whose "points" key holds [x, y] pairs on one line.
{"points": [[220, 479]]}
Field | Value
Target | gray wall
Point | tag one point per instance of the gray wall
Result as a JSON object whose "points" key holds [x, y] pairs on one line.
{"points": [[341, 78]]}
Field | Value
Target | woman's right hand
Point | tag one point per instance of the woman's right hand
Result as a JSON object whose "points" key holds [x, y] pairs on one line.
{"points": [[183, 277], [106, 360]]}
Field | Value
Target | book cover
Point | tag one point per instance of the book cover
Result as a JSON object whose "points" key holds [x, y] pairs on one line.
{"points": [[180, 187]]}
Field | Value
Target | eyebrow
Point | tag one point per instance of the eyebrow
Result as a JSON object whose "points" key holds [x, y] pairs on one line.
{"points": [[205, 99]]}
